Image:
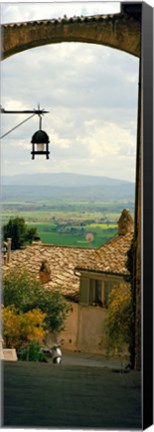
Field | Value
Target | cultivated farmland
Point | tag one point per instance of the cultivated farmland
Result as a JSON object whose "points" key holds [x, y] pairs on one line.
{"points": [[76, 215]]}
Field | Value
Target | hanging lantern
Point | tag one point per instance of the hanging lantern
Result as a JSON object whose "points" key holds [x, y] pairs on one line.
{"points": [[40, 142]]}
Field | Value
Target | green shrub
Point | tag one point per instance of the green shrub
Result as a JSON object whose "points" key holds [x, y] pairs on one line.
{"points": [[32, 352], [25, 292], [118, 321]]}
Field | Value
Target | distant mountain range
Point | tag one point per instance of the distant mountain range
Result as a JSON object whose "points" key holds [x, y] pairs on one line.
{"points": [[62, 180], [66, 186]]}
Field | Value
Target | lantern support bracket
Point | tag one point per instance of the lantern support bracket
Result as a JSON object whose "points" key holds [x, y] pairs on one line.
{"points": [[33, 112], [40, 138]]}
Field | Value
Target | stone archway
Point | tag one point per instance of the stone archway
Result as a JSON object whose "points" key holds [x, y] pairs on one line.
{"points": [[121, 31]]}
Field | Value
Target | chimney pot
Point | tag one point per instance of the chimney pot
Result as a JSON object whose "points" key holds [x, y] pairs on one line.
{"points": [[125, 223]]}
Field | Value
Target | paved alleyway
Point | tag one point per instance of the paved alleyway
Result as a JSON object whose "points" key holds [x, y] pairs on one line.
{"points": [[71, 358], [70, 396]]}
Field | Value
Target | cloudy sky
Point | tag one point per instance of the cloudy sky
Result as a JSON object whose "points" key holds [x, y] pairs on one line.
{"points": [[91, 92]]}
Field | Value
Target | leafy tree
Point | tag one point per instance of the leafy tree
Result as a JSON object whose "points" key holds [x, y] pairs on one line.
{"points": [[31, 234], [20, 289], [20, 328], [26, 293], [118, 320], [56, 309], [17, 230]]}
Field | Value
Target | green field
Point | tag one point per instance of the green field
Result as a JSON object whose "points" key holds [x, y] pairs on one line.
{"points": [[101, 234], [67, 222], [47, 216], [88, 215]]}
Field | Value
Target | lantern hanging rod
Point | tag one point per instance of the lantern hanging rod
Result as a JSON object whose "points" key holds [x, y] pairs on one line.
{"points": [[34, 111], [40, 139]]}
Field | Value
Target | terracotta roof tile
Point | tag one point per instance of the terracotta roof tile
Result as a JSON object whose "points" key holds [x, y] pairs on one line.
{"points": [[62, 261], [111, 257]]}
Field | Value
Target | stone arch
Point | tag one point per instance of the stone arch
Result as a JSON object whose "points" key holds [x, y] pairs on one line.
{"points": [[121, 31]]}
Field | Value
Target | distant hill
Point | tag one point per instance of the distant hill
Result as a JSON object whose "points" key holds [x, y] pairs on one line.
{"points": [[66, 186], [62, 180]]}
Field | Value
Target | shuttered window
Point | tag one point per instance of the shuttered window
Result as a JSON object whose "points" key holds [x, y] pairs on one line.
{"points": [[90, 291], [96, 291]]}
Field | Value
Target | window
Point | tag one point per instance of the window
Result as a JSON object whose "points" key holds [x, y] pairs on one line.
{"points": [[95, 291], [90, 291]]}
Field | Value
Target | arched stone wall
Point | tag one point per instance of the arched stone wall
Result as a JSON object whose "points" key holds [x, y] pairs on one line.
{"points": [[120, 31]]}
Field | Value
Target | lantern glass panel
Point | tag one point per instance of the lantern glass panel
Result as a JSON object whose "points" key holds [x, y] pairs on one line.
{"points": [[40, 147]]}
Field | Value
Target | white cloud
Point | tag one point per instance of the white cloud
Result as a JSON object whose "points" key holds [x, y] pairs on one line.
{"points": [[62, 143], [90, 91], [108, 142], [37, 11]]}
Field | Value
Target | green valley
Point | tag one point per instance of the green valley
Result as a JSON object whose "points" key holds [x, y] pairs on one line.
{"points": [[81, 215]]}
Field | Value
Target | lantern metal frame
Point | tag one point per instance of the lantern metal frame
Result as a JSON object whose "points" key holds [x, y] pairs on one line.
{"points": [[40, 137]]}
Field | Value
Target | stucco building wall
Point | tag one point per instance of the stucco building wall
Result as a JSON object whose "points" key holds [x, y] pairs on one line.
{"points": [[84, 329]]}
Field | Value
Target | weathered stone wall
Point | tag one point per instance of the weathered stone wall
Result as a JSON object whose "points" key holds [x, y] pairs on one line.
{"points": [[120, 31]]}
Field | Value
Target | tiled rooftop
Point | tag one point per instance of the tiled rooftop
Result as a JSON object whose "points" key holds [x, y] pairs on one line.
{"points": [[62, 261], [110, 258]]}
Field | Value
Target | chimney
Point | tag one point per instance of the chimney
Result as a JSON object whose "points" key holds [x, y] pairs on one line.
{"points": [[45, 272], [125, 223]]}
